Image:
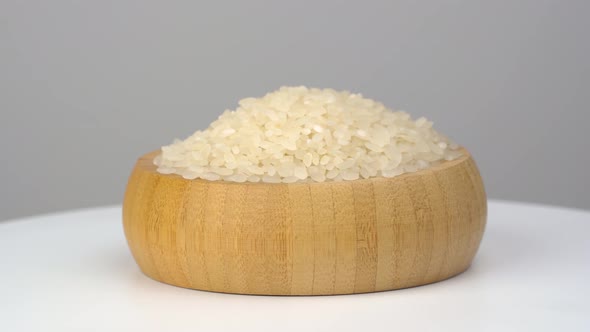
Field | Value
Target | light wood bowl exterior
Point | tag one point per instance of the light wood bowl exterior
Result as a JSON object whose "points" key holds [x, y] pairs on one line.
{"points": [[305, 238]]}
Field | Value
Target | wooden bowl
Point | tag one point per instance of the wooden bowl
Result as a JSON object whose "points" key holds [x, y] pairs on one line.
{"points": [[305, 238]]}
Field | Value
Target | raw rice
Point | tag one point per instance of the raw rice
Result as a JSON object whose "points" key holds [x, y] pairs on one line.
{"points": [[299, 134]]}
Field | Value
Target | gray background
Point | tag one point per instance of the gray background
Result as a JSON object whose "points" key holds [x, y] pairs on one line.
{"points": [[88, 86]]}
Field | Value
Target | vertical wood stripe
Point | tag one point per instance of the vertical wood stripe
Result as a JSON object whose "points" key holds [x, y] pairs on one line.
{"points": [[305, 238], [422, 209], [214, 235], [252, 242], [324, 240], [303, 263], [278, 265], [385, 208], [366, 237], [345, 234], [232, 219], [405, 236], [438, 249]]}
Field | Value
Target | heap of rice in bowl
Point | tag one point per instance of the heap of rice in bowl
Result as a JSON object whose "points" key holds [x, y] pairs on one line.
{"points": [[299, 134]]}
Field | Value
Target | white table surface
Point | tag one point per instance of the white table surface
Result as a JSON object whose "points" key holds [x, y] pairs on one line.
{"points": [[73, 272]]}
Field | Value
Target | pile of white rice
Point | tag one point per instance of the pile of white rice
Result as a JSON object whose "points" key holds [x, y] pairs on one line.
{"points": [[297, 134]]}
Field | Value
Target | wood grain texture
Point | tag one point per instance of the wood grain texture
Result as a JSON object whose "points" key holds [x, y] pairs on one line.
{"points": [[305, 238]]}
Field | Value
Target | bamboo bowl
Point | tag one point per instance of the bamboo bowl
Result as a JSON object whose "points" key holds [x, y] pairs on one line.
{"points": [[305, 238]]}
